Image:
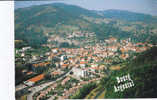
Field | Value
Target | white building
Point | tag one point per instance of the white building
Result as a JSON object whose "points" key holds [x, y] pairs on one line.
{"points": [[94, 65], [23, 54], [55, 51], [63, 57], [26, 48], [79, 72], [34, 57], [29, 83]]}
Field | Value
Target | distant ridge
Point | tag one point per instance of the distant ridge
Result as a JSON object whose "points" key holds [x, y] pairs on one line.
{"points": [[56, 17]]}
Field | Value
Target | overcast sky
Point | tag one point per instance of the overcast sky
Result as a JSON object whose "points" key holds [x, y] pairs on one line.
{"points": [[142, 6]]}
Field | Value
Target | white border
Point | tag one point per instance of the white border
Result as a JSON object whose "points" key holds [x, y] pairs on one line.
{"points": [[7, 88]]}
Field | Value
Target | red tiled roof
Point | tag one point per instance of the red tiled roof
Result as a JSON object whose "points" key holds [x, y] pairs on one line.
{"points": [[37, 78], [55, 73], [29, 73], [83, 62]]}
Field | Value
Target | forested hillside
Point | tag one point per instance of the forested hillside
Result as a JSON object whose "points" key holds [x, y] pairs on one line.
{"points": [[34, 25], [143, 73]]}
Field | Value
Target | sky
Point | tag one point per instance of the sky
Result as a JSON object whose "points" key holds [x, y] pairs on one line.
{"points": [[141, 6]]}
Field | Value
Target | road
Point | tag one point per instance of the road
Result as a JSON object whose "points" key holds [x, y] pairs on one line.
{"points": [[42, 86]]}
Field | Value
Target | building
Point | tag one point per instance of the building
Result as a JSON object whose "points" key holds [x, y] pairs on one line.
{"points": [[55, 73], [83, 64], [64, 66], [55, 50], [94, 65], [40, 66], [26, 48], [80, 72], [34, 80], [63, 57]]}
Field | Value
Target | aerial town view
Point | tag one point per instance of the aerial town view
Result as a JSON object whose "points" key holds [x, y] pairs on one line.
{"points": [[67, 51]]}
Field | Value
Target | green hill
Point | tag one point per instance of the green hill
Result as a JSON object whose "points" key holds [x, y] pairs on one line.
{"points": [[143, 73], [34, 25], [126, 15]]}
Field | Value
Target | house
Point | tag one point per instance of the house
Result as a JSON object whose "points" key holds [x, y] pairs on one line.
{"points": [[64, 66], [57, 65], [55, 73], [113, 39], [23, 54], [112, 48], [83, 64], [124, 56], [93, 69], [55, 50], [29, 73], [34, 58], [40, 66], [26, 48], [94, 65], [63, 57]]}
